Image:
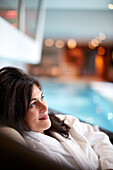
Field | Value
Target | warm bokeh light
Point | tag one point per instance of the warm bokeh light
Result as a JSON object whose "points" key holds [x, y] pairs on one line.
{"points": [[71, 43], [99, 64], [101, 51], [94, 43], [98, 39], [110, 6], [11, 14], [102, 36], [14, 24], [112, 55], [59, 44], [99, 61], [49, 42], [8, 14], [90, 46]]}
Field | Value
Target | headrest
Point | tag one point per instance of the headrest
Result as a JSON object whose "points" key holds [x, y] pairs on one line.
{"points": [[13, 134]]}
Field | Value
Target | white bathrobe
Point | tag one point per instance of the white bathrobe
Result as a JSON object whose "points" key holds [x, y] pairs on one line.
{"points": [[85, 149]]}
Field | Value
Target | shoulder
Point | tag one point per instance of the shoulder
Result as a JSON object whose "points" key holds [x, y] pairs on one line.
{"points": [[69, 119], [76, 125], [66, 117]]}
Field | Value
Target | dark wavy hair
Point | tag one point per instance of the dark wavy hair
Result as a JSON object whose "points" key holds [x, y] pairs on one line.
{"points": [[15, 94]]}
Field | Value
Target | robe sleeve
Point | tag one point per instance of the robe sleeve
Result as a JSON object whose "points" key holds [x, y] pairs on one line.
{"points": [[98, 140]]}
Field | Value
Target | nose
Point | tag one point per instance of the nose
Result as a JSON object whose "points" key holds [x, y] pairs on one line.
{"points": [[43, 107]]}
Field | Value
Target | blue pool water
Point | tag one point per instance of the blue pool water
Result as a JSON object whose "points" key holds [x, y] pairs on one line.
{"points": [[79, 100]]}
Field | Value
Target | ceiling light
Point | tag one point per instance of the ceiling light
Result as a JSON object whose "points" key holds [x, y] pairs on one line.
{"points": [[71, 43], [102, 36], [90, 46], [94, 43], [59, 44], [49, 42], [98, 39]]}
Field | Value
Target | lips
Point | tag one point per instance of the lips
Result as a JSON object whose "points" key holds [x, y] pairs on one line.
{"points": [[44, 117]]}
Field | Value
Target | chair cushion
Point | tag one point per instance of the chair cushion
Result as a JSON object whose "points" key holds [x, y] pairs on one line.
{"points": [[13, 134]]}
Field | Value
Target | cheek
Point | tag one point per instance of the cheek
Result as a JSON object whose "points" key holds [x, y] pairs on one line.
{"points": [[31, 118]]}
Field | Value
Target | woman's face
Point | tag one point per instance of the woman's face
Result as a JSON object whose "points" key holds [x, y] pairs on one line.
{"points": [[37, 118]]}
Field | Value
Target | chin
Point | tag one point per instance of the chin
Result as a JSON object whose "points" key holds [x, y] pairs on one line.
{"points": [[48, 124]]}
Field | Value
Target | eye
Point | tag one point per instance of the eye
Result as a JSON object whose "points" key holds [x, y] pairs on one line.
{"points": [[33, 104], [42, 97]]}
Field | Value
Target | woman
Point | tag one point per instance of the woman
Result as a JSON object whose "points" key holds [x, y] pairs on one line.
{"points": [[61, 138]]}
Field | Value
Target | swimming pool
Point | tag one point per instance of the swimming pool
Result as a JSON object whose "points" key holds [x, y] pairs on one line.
{"points": [[80, 100]]}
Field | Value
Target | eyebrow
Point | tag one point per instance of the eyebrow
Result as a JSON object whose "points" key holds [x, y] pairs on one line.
{"points": [[33, 99], [36, 98]]}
